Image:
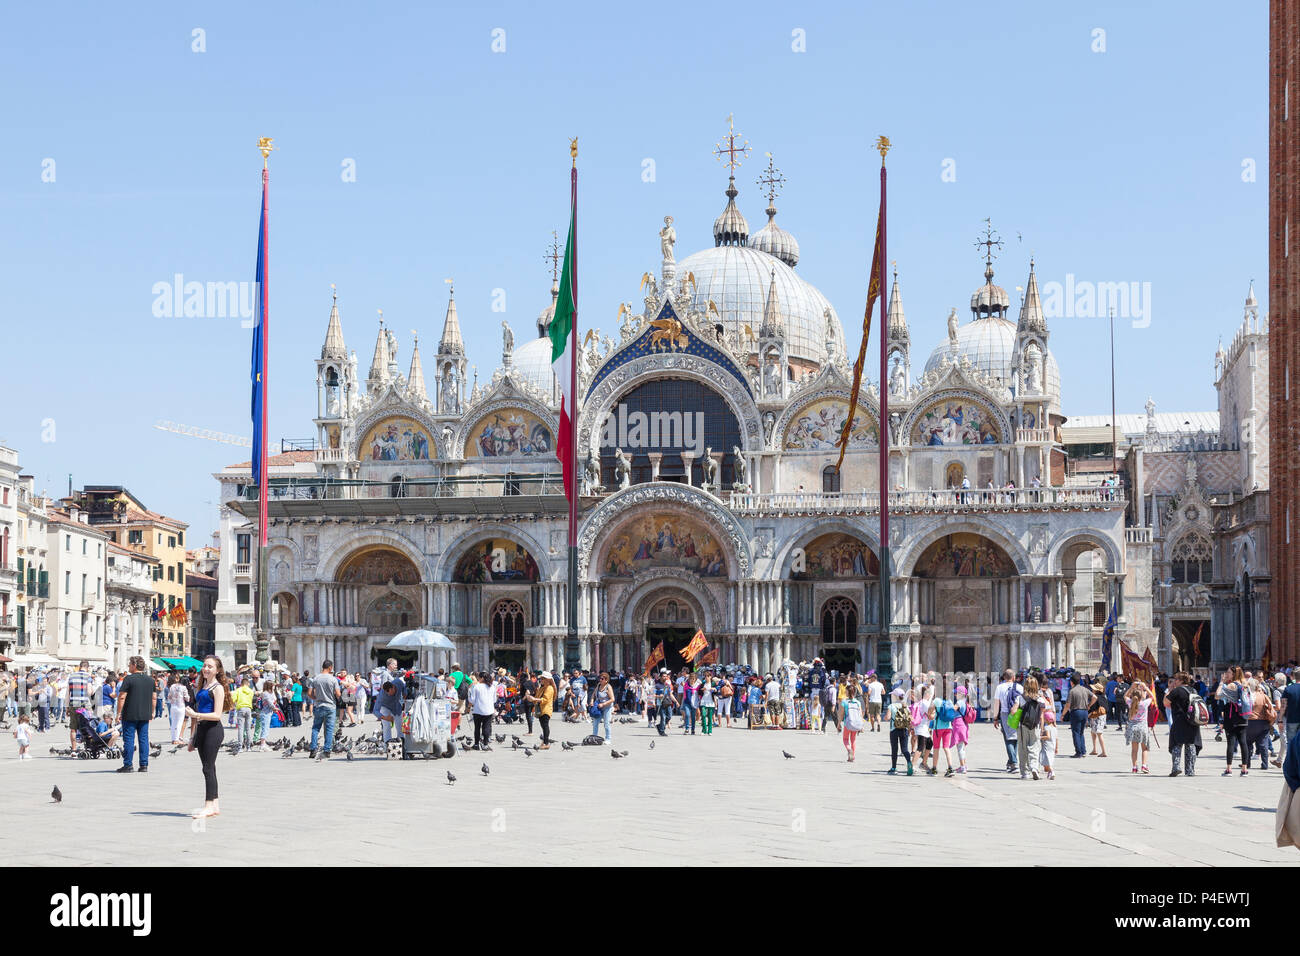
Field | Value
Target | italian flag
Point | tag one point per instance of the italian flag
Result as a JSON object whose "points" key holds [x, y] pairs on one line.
{"points": [[564, 347]]}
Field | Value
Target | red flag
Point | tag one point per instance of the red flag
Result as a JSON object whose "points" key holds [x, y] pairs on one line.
{"points": [[709, 658], [698, 643], [1196, 644], [655, 657], [873, 292]]}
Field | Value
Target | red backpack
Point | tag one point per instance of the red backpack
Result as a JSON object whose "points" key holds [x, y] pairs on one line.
{"points": [[970, 714]]}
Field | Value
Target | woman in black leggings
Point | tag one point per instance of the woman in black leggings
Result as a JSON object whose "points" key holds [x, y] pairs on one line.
{"points": [[211, 700], [1231, 688]]}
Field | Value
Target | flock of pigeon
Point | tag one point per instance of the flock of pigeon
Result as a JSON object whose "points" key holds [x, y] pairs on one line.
{"points": [[373, 744]]}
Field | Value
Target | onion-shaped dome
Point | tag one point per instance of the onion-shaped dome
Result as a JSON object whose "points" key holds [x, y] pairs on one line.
{"points": [[730, 228], [775, 241]]}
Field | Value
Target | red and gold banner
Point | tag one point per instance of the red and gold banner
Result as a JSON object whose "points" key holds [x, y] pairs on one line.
{"points": [[709, 658], [698, 643], [1135, 666], [655, 657]]}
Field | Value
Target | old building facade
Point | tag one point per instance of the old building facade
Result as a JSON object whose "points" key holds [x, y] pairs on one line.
{"points": [[707, 434]]}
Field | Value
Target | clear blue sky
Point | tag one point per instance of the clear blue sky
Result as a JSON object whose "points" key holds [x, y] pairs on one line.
{"points": [[1115, 166]]}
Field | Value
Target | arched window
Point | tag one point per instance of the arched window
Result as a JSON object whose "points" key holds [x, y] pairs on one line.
{"points": [[839, 622], [507, 623], [397, 487], [331, 376], [831, 479], [1193, 559]]}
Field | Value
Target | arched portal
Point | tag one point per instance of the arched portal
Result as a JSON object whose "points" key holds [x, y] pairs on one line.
{"points": [[966, 597], [506, 623], [671, 621], [839, 619]]}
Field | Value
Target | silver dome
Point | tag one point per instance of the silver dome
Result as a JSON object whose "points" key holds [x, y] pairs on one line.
{"points": [[736, 279], [533, 363], [989, 343]]}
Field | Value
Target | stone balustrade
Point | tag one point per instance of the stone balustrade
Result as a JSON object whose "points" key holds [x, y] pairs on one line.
{"points": [[922, 501]]}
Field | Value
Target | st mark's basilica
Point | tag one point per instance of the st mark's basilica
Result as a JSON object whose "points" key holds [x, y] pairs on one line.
{"points": [[709, 497]]}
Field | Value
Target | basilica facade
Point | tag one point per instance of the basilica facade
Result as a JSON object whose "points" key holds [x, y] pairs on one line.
{"points": [[710, 500]]}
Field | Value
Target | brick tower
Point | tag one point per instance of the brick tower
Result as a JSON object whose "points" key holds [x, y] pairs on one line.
{"points": [[1284, 315]]}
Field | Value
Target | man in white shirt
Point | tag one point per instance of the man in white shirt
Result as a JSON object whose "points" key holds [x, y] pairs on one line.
{"points": [[772, 697], [483, 704], [875, 697], [1004, 701]]}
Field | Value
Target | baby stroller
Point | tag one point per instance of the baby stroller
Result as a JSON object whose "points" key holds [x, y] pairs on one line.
{"points": [[93, 746]]}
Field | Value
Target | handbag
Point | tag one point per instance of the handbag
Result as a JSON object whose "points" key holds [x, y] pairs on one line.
{"points": [[1014, 720]]}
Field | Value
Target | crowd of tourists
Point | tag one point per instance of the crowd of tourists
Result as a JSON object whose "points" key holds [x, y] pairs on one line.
{"points": [[1254, 715]]}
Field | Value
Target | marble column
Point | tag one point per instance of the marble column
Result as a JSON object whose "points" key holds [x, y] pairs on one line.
{"points": [[655, 458]]}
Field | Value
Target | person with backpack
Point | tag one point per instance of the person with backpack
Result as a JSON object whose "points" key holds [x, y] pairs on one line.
{"points": [[1260, 724], [851, 709], [900, 728], [922, 732], [966, 713], [1238, 709], [945, 717], [1026, 718], [1097, 720], [1137, 732], [1004, 702], [1187, 714]]}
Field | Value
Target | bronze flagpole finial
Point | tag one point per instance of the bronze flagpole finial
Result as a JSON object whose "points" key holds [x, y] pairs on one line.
{"points": [[573, 150], [264, 144]]}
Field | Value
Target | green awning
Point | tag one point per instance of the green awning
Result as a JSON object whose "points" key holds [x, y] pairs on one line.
{"points": [[180, 663]]}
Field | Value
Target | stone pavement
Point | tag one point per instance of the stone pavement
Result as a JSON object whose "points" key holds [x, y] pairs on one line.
{"points": [[731, 797]]}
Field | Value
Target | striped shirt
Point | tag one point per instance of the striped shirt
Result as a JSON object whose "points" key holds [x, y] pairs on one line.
{"points": [[79, 687]]}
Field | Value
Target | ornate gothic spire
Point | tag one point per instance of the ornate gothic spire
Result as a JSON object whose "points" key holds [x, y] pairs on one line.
{"points": [[898, 334], [415, 380], [1031, 310], [379, 364], [772, 327], [452, 343], [333, 347]]}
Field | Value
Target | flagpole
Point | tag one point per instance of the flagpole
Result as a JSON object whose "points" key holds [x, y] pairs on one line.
{"points": [[571, 650], [884, 652], [263, 638]]}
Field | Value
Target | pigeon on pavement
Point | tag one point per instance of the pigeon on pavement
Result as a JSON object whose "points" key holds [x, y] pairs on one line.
{"points": [[615, 754], [652, 745], [56, 794], [787, 755], [451, 778], [485, 770]]}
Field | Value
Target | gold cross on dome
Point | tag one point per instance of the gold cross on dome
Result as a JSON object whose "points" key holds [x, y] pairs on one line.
{"points": [[771, 179], [735, 154]]}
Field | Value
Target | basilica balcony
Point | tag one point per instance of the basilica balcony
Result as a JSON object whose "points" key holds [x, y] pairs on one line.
{"points": [[1033, 436], [320, 497], [330, 456], [946, 500]]}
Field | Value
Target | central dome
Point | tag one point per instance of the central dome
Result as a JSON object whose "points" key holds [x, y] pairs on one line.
{"points": [[736, 278]]}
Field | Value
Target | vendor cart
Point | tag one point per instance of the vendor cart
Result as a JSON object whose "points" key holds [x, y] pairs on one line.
{"points": [[427, 723]]}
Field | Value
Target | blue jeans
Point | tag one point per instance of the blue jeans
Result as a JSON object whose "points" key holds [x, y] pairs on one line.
{"points": [[327, 715], [264, 723], [688, 721], [158, 710], [1012, 745], [665, 715], [1078, 721], [602, 719], [129, 729]]}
